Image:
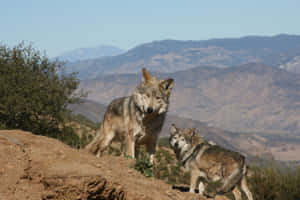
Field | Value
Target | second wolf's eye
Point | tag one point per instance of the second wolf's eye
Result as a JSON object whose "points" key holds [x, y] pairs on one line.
{"points": [[148, 95], [158, 98]]}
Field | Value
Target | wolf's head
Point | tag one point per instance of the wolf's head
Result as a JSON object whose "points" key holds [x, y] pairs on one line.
{"points": [[185, 138], [180, 139], [152, 95]]}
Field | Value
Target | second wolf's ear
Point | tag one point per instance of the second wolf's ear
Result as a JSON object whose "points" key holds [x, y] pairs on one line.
{"points": [[167, 85], [173, 129], [193, 132], [147, 77]]}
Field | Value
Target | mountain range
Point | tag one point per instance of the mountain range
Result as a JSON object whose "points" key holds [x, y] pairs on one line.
{"points": [[172, 55]]}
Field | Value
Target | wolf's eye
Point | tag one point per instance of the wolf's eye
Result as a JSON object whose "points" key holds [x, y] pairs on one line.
{"points": [[148, 95], [158, 98]]}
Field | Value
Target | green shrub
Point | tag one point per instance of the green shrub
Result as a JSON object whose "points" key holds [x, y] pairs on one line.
{"points": [[35, 93], [2, 126], [81, 119], [68, 136]]}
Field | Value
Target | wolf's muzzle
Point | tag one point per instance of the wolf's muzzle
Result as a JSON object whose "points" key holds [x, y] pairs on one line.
{"points": [[150, 110]]}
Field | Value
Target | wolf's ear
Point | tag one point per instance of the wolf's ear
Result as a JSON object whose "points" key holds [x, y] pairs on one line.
{"points": [[193, 132], [173, 129], [167, 85], [147, 77]]}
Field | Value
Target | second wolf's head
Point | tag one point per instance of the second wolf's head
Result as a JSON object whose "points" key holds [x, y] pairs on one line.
{"points": [[152, 95], [182, 140]]}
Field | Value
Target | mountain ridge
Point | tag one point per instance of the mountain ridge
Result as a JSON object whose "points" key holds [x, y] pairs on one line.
{"points": [[175, 55]]}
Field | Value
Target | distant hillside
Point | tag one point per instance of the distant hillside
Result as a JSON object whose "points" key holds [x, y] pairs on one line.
{"points": [[172, 55], [90, 53], [92, 110]]}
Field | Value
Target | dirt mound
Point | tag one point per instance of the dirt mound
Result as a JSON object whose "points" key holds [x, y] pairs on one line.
{"points": [[37, 167]]}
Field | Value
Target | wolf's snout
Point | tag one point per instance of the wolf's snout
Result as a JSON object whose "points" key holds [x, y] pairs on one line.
{"points": [[176, 145], [149, 110]]}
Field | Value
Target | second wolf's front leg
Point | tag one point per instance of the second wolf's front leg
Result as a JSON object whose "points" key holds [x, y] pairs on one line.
{"points": [[193, 179], [201, 188]]}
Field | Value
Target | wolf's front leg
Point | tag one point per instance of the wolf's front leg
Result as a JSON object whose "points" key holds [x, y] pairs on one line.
{"points": [[201, 188], [151, 150], [193, 181]]}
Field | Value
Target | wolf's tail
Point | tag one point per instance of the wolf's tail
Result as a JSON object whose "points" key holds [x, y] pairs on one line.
{"points": [[234, 178]]}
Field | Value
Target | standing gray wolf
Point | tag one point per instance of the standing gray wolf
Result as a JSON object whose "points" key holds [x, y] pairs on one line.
{"points": [[136, 119], [222, 170]]}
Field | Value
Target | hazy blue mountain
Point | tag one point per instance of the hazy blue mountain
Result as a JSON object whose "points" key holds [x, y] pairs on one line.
{"points": [[90, 53], [173, 55]]}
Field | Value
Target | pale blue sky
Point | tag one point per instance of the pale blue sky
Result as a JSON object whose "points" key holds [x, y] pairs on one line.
{"points": [[59, 25]]}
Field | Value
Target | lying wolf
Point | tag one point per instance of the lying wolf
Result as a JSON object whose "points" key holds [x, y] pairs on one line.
{"points": [[136, 119], [222, 170]]}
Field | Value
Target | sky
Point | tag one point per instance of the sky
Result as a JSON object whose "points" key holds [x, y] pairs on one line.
{"points": [[57, 26]]}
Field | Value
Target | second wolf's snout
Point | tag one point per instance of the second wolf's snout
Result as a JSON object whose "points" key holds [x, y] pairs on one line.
{"points": [[176, 145]]}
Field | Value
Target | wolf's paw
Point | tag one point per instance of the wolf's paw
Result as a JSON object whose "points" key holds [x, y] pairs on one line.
{"points": [[209, 194]]}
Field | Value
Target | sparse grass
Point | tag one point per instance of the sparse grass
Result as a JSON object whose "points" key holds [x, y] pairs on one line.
{"points": [[114, 151], [143, 164], [273, 183]]}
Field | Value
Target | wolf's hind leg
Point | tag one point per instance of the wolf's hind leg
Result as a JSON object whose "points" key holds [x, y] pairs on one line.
{"points": [[105, 140], [233, 179], [100, 142], [130, 147], [245, 188], [93, 146]]}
